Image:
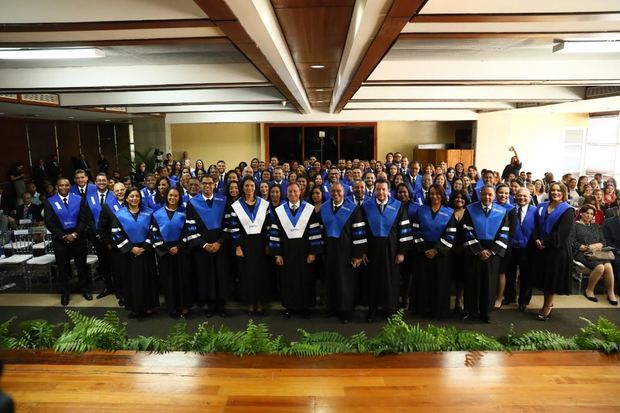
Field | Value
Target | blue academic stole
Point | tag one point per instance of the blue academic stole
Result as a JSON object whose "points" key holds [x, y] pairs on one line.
{"points": [[507, 206], [114, 205], [381, 224], [486, 227], [433, 228], [136, 229], [334, 223], [524, 231], [213, 216], [92, 200], [68, 215], [412, 209], [170, 229], [547, 221]]}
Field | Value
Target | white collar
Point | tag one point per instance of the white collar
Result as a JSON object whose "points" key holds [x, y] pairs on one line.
{"points": [[338, 205], [205, 198], [382, 203], [296, 205]]}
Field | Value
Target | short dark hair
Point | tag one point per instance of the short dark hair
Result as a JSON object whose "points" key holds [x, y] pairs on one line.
{"points": [[442, 193], [458, 193], [78, 171], [586, 207], [382, 181]]}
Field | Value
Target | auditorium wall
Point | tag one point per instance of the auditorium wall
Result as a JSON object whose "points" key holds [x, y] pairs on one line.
{"points": [[235, 142], [537, 137]]}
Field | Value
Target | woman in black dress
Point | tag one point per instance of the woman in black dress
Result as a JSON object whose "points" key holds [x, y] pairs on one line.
{"points": [[130, 229], [458, 201], [403, 194], [434, 233], [167, 233], [588, 237], [248, 225], [554, 225]]}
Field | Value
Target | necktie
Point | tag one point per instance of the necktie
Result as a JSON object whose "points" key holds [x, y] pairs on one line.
{"points": [[81, 191], [66, 202], [101, 198], [381, 207], [520, 214], [486, 210], [294, 209], [25, 211]]}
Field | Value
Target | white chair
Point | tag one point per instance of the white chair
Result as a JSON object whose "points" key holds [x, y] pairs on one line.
{"points": [[580, 272], [41, 263], [20, 248]]}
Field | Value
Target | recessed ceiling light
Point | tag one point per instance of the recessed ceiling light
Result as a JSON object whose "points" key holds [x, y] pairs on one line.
{"points": [[70, 117], [318, 66], [106, 120], [66, 53], [319, 90]]}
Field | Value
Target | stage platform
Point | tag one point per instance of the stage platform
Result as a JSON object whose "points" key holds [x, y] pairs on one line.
{"points": [[564, 382]]}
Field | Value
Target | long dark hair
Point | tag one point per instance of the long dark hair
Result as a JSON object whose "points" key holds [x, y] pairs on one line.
{"points": [[130, 190], [159, 197], [441, 191]]}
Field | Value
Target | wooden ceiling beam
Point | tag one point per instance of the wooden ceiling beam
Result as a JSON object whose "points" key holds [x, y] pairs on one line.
{"points": [[224, 18], [109, 25], [518, 17], [507, 35], [398, 16], [123, 42]]}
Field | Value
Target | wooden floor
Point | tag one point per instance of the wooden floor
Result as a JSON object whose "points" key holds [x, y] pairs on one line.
{"points": [[444, 382]]}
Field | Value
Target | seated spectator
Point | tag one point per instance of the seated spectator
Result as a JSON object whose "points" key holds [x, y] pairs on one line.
{"points": [[610, 199], [599, 216], [589, 238], [611, 231], [28, 210]]}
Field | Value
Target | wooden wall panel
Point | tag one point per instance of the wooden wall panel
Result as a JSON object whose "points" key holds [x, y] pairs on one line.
{"points": [[14, 148], [68, 145], [122, 146], [90, 144], [42, 140]]}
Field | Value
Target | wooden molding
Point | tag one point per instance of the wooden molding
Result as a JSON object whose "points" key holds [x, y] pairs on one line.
{"points": [[517, 17], [399, 15], [108, 25], [507, 35], [122, 42]]}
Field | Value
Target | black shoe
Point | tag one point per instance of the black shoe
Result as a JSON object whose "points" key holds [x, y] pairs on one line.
{"points": [[174, 315], [64, 299], [593, 299], [104, 293], [223, 313], [344, 319], [465, 315], [121, 302], [306, 313], [87, 296], [542, 317], [286, 314], [612, 302], [209, 313], [522, 307], [486, 319], [508, 301]]}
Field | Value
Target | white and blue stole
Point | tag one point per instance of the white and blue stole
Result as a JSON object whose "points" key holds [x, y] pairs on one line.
{"points": [[92, 200], [169, 228], [212, 216], [251, 221], [381, 224], [294, 226], [334, 223], [137, 229], [68, 215]]}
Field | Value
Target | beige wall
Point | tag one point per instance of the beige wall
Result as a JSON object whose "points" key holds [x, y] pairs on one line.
{"points": [[233, 142], [404, 136], [537, 137]]}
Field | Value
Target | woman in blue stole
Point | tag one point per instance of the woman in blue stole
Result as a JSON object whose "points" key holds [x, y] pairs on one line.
{"points": [[247, 226], [554, 221], [502, 198], [159, 200], [167, 234], [130, 230], [434, 232], [403, 194], [459, 199]]}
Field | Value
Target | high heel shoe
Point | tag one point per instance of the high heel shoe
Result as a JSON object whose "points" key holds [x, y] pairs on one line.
{"points": [[612, 302], [543, 317]]}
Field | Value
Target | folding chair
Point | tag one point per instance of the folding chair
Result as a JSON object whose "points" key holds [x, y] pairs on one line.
{"points": [[20, 249], [580, 272], [41, 263]]}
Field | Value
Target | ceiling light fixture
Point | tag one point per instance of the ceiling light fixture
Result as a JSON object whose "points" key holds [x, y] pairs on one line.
{"points": [[587, 46], [318, 66], [319, 90], [38, 54]]}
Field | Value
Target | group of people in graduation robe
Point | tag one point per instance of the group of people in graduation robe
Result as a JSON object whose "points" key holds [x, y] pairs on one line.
{"points": [[182, 245]]}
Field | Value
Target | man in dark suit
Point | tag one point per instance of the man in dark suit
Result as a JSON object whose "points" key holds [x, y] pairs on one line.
{"points": [[28, 210], [611, 230], [54, 171], [39, 175], [66, 218], [6, 202], [611, 212]]}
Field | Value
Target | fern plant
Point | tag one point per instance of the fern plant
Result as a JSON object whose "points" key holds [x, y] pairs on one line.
{"points": [[6, 340], [35, 334], [602, 336], [89, 333]]}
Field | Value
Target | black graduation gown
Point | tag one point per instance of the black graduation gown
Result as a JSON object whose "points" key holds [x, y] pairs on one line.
{"points": [[407, 267], [481, 277], [341, 280], [105, 235], [175, 273], [431, 292], [554, 263], [381, 279], [138, 272], [255, 281], [212, 276], [296, 279]]}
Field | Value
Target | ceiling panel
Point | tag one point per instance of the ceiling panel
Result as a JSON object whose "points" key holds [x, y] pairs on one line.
{"points": [[520, 6]]}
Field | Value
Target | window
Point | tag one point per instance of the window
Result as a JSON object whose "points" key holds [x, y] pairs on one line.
{"points": [[602, 148]]}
